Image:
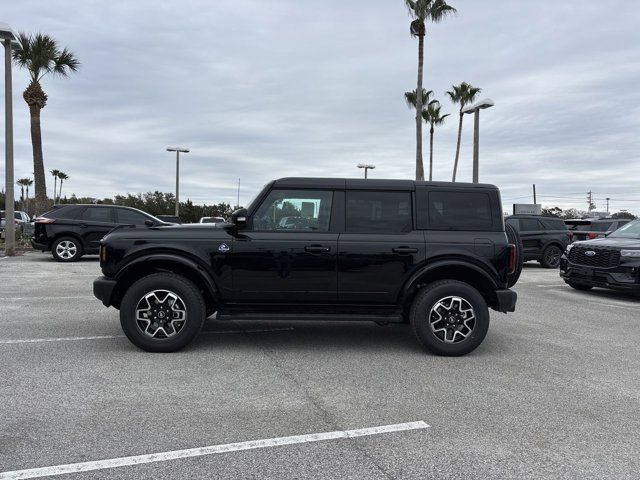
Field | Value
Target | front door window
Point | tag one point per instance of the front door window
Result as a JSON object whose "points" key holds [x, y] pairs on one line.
{"points": [[294, 210]]}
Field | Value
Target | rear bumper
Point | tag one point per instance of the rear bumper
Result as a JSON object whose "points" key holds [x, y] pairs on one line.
{"points": [[38, 246], [103, 288], [506, 300], [624, 277]]}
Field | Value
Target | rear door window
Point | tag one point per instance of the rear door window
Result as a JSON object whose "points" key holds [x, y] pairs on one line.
{"points": [[460, 211], [98, 214], [529, 225], [378, 212]]}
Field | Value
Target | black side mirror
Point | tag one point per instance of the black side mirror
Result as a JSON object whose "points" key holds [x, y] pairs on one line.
{"points": [[239, 218]]}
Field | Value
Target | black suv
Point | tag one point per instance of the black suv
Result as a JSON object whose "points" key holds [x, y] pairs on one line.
{"points": [[543, 238], [432, 254], [611, 262], [70, 231]]}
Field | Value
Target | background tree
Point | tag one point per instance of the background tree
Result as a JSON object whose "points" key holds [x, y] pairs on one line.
{"points": [[423, 11], [462, 95], [62, 176], [22, 183], [434, 118], [624, 215], [41, 55], [411, 99], [55, 174], [28, 183]]}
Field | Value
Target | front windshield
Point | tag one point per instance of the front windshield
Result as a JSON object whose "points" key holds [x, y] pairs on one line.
{"points": [[630, 230]]}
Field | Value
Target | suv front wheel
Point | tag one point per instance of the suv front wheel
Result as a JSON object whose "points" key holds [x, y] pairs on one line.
{"points": [[162, 312], [449, 318]]}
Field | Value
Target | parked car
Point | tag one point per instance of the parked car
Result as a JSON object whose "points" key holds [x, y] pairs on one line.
{"points": [[20, 217], [543, 238], [212, 220], [590, 228], [170, 219], [432, 254], [612, 262], [70, 231]]}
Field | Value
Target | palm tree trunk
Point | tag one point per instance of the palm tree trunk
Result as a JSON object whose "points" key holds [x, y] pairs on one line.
{"points": [[455, 164], [38, 161], [431, 154], [55, 188], [60, 194], [27, 209], [419, 164]]}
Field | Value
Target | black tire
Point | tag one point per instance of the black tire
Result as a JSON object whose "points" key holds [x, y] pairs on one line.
{"points": [[66, 249], [180, 335], [551, 256], [427, 300], [514, 237], [580, 287]]}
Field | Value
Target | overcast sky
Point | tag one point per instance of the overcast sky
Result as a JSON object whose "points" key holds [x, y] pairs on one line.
{"points": [[264, 89]]}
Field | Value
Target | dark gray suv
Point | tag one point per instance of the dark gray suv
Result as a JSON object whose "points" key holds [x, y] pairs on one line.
{"points": [[544, 239]]}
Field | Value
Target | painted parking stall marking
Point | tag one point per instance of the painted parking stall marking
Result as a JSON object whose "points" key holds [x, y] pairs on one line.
{"points": [[210, 450]]}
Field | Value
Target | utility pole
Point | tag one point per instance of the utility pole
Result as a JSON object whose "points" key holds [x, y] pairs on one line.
{"points": [[534, 195], [608, 205], [177, 150], [590, 200], [238, 204], [8, 40]]}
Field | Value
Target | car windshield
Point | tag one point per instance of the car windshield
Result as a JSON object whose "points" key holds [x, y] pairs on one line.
{"points": [[630, 230]]}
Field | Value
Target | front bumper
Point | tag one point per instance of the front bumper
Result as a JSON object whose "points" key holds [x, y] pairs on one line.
{"points": [[103, 288], [506, 300], [623, 277]]}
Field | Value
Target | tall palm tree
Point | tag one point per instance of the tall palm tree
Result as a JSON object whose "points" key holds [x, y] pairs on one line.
{"points": [[432, 116], [62, 176], [41, 55], [462, 94], [22, 182], [423, 11], [56, 175], [411, 99]]}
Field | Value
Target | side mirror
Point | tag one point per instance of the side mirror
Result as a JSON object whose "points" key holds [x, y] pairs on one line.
{"points": [[606, 234], [239, 218]]}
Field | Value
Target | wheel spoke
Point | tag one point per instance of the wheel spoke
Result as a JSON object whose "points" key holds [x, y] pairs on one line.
{"points": [[452, 319], [161, 314]]}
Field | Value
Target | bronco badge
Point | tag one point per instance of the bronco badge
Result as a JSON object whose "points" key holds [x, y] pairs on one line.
{"points": [[224, 248]]}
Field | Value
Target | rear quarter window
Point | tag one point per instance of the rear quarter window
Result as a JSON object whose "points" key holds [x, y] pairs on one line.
{"points": [[460, 210], [553, 224]]}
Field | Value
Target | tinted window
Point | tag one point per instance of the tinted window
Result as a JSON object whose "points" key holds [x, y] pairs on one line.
{"points": [[130, 217], [553, 224], [460, 211], [378, 212], [97, 214], [63, 212], [514, 223], [529, 224], [601, 226], [301, 210]]}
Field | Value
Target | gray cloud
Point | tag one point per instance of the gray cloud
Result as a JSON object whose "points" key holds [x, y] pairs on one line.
{"points": [[264, 89]]}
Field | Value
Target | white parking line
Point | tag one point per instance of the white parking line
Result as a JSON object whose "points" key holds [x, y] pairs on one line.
{"points": [[211, 450], [103, 337], [46, 298]]}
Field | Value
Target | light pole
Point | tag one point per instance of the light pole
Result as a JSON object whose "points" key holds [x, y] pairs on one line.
{"points": [[475, 108], [178, 150], [366, 167], [10, 41]]}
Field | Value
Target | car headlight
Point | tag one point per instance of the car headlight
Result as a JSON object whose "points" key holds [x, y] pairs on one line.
{"points": [[630, 253], [569, 247]]}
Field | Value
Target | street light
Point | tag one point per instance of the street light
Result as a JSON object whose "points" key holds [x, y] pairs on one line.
{"points": [[366, 167], [10, 41], [475, 108], [178, 150]]}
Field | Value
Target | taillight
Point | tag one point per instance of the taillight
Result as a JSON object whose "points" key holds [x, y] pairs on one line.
{"points": [[570, 235], [44, 220], [512, 258], [591, 236], [103, 254]]}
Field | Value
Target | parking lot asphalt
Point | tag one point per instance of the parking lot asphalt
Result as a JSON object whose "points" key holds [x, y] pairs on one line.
{"points": [[553, 392]]}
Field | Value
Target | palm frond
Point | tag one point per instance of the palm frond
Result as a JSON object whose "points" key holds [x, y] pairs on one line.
{"points": [[41, 55], [411, 99]]}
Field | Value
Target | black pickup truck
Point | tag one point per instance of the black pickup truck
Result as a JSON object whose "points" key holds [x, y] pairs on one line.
{"points": [[431, 254]]}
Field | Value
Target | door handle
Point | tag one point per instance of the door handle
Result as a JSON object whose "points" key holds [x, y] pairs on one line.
{"points": [[404, 250], [316, 249]]}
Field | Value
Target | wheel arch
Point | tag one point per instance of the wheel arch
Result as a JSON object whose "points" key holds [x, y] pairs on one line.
{"points": [[452, 269], [156, 263], [73, 235]]}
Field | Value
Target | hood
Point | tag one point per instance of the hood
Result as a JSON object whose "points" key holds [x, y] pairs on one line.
{"points": [[174, 231], [610, 242]]}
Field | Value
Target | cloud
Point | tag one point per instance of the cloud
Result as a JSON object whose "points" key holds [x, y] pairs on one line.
{"points": [[265, 89]]}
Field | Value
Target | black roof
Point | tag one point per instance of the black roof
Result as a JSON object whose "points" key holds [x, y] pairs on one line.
{"points": [[370, 184]]}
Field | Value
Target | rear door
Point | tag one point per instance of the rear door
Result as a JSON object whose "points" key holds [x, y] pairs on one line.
{"points": [[532, 234], [380, 247], [93, 223]]}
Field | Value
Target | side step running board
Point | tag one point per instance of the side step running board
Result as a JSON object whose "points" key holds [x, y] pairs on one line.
{"points": [[346, 317]]}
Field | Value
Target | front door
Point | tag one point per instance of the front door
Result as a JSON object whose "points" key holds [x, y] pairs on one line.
{"points": [[287, 253], [93, 223]]}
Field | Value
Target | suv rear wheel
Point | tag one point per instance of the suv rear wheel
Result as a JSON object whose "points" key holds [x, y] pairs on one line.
{"points": [[162, 312], [449, 318], [66, 249], [551, 256]]}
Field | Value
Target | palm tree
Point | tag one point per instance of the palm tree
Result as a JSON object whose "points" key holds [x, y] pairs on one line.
{"points": [[41, 55], [56, 175], [433, 117], [462, 94], [22, 183], [423, 11], [62, 176], [28, 183], [411, 100]]}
